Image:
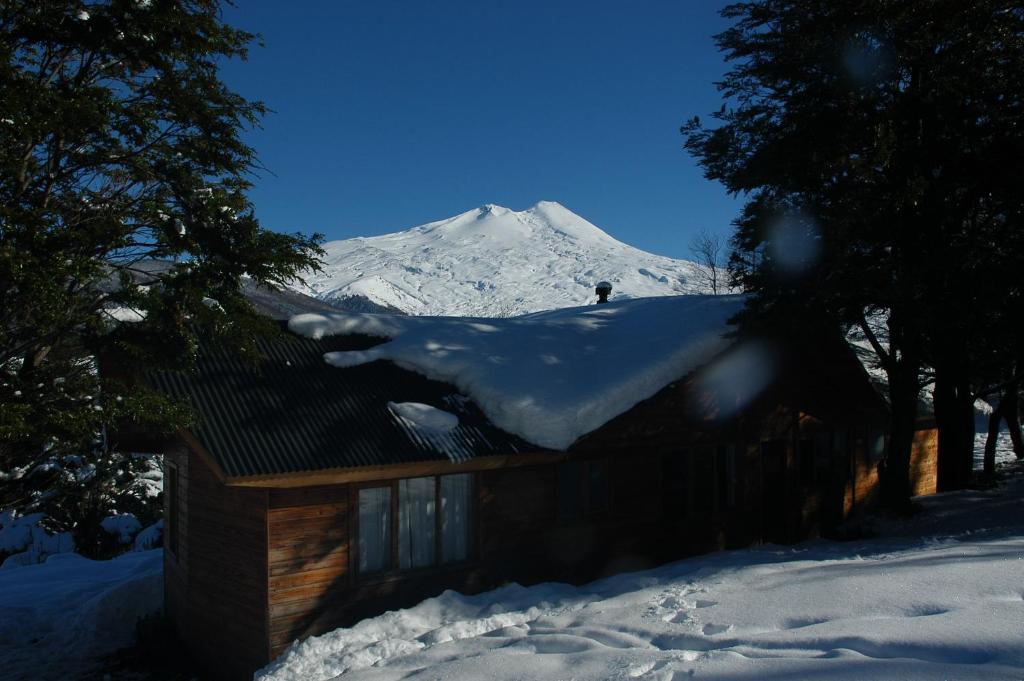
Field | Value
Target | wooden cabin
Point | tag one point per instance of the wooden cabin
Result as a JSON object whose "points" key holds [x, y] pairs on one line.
{"points": [[299, 504]]}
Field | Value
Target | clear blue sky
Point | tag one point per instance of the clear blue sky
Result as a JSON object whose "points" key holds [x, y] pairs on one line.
{"points": [[390, 114]]}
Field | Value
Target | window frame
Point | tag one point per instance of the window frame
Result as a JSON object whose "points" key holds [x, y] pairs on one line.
{"points": [[173, 505], [354, 555], [584, 491], [394, 570]]}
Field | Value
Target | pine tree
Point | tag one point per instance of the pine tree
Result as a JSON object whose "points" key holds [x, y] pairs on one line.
{"points": [[120, 147], [878, 144]]}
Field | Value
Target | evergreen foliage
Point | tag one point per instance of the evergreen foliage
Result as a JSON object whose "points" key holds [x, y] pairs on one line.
{"points": [[880, 146], [123, 180]]}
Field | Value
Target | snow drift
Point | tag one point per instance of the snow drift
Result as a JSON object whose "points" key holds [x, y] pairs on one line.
{"points": [[58, 617]]}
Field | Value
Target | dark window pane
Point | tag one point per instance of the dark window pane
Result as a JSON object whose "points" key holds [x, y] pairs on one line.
{"points": [[171, 499], [570, 497], [456, 516], [598, 492], [374, 529], [704, 489], [733, 472], [722, 475], [876, 445], [675, 480], [416, 522]]}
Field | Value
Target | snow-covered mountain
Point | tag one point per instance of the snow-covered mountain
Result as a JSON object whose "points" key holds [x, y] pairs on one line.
{"points": [[492, 261]]}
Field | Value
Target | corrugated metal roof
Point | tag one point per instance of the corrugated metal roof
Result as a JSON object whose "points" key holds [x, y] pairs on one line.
{"points": [[294, 413]]}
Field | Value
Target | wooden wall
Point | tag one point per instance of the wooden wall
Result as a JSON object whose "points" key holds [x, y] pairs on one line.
{"points": [[924, 461], [175, 564], [216, 586], [308, 544]]}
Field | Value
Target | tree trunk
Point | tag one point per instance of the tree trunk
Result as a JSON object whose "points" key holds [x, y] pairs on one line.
{"points": [[1011, 412], [990, 440], [954, 416], [895, 474]]}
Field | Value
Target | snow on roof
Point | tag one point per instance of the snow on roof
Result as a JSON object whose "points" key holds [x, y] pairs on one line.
{"points": [[548, 377], [433, 427]]}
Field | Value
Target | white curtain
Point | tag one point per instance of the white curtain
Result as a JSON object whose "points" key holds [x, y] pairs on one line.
{"points": [[416, 522], [456, 504], [374, 529]]}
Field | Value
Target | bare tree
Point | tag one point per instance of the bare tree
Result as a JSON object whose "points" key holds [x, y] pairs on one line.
{"points": [[709, 252]]}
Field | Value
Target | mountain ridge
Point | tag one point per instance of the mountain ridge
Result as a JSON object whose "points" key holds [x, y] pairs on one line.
{"points": [[494, 261]]}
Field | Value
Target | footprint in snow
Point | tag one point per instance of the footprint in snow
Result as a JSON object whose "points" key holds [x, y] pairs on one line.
{"points": [[675, 607], [715, 629]]}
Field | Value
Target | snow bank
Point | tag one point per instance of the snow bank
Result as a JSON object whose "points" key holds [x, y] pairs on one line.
{"points": [[150, 537], [56, 617], [913, 605], [549, 377], [27, 541], [123, 525], [449, 617], [1004, 449]]}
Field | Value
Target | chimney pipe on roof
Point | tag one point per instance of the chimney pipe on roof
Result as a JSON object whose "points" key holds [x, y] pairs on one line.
{"points": [[603, 290]]}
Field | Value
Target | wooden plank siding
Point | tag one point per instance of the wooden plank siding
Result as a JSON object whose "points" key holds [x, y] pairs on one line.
{"points": [[175, 575], [216, 585], [924, 462], [308, 554]]}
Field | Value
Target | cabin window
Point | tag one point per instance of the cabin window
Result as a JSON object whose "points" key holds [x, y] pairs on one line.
{"points": [[728, 476], [876, 445], [583, 489], [456, 515], [841, 448], [417, 522], [374, 529], [705, 490], [171, 498], [597, 492], [570, 493], [434, 523], [675, 477]]}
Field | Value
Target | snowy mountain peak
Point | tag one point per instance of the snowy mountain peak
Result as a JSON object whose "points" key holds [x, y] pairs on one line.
{"points": [[494, 261], [491, 209]]}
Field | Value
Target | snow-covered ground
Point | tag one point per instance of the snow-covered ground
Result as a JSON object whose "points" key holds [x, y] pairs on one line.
{"points": [[492, 261], [58, 617], [940, 596], [1004, 448]]}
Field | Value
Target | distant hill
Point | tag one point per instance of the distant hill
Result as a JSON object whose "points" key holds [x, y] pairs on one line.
{"points": [[493, 261], [277, 304], [284, 303]]}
